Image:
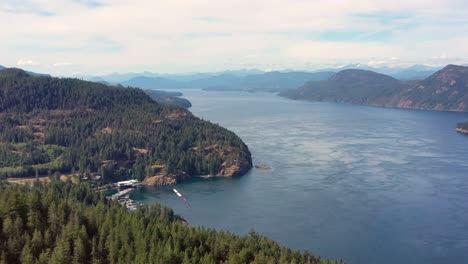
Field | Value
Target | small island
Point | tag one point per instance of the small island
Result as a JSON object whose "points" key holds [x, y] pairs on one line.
{"points": [[462, 128], [263, 166]]}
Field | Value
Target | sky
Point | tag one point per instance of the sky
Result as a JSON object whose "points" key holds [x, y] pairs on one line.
{"points": [[95, 37]]}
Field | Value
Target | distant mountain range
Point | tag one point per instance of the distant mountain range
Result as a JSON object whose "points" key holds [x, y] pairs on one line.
{"points": [[268, 81], [153, 83], [446, 89], [251, 79], [407, 73], [118, 78]]}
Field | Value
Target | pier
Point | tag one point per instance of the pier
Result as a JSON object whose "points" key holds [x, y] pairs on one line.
{"points": [[123, 195]]}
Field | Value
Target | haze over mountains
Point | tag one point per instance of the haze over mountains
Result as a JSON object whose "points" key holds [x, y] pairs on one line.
{"points": [[349, 86], [121, 77], [447, 89], [268, 81], [356, 84], [252, 79]]}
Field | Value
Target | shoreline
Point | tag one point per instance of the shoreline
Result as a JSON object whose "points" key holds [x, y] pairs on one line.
{"points": [[461, 130]]}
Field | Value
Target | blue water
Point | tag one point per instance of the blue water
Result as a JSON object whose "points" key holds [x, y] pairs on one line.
{"points": [[365, 184]]}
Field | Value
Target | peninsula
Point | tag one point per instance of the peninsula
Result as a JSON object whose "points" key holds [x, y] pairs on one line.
{"points": [[62, 125]]}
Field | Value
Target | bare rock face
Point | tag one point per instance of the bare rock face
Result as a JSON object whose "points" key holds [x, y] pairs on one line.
{"points": [[235, 163], [165, 179], [159, 180], [236, 168]]}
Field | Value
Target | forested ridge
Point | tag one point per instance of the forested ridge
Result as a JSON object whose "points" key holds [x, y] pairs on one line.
{"points": [[446, 89], [65, 125], [63, 222], [165, 97]]}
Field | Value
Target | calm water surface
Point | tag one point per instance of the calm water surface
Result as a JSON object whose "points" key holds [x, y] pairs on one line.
{"points": [[366, 184]]}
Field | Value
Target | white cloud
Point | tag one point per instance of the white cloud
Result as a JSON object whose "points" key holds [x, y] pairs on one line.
{"points": [[202, 35], [22, 62]]}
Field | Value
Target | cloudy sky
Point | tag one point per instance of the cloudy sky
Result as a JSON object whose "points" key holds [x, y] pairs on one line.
{"points": [[66, 37]]}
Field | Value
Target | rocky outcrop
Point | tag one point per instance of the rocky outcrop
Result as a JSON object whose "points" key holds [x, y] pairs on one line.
{"points": [[235, 168], [162, 179], [461, 130], [159, 180], [229, 168], [263, 166], [235, 163]]}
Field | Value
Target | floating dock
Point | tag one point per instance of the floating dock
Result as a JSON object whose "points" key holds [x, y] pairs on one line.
{"points": [[121, 193]]}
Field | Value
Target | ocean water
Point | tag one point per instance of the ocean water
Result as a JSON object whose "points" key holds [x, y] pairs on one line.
{"points": [[365, 184]]}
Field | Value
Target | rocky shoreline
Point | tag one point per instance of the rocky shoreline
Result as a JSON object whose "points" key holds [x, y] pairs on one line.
{"points": [[461, 130], [230, 168]]}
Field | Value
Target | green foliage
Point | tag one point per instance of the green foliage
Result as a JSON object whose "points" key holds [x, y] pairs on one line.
{"points": [[63, 222], [164, 97], [463, 125], [62, 125]]}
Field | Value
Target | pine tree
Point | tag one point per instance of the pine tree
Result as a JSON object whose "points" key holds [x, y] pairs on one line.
{"points": [[37, 243], [79, 251], [26, 255]]}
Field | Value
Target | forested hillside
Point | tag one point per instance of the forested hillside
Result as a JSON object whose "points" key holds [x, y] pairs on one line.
{"points": [[69, 223], [66, 125], [350, 86], [446, 89], [165, 97]]}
